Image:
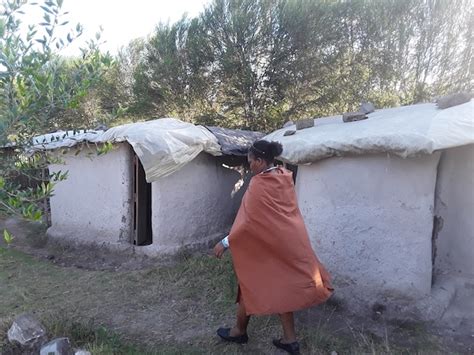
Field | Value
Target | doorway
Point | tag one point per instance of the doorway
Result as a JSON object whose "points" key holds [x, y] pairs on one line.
{"points": [[142, 232]]}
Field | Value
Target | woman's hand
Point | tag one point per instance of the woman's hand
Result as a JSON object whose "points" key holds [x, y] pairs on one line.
{"points": [[219, 250]]}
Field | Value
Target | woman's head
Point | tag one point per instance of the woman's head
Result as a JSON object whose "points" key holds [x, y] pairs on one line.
{"points": [[262, 154]]}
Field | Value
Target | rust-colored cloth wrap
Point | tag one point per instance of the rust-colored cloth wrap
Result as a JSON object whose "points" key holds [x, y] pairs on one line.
{"points": [[275, 264]]}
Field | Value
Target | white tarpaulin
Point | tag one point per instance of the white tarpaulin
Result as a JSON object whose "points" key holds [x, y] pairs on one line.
{"points": [[163, 146], [404, 131], [63, 139]]}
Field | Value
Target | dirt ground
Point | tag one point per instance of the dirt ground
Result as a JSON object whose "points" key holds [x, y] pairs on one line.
{"points": [[174, 305]]}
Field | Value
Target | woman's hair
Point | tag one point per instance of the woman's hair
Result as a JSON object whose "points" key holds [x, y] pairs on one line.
{"points": [[266, 150]]}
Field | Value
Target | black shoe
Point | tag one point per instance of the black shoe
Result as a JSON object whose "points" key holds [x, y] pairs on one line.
{"points": [[224, 333], [291, 348]]}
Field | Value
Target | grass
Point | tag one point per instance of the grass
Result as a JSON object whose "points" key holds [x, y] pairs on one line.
{"points": [[88, 336], [167, 309]]}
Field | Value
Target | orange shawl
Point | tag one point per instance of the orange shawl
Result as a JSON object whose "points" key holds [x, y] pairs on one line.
{"points": [[275, 265]]}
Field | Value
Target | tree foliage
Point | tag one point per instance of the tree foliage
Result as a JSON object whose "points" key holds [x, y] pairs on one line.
{"points": [[36, 83], [258, 63]]}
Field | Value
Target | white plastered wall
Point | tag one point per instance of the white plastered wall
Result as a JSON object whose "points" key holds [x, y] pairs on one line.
{"points": [[93, 204], [193, 204], [455, 208], [370, 221]]}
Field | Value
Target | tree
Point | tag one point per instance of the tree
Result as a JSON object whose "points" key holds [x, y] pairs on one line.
{"points": [[257, 63]]}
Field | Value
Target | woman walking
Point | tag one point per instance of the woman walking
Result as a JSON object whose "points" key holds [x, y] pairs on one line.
{"points": [[276, 268]]}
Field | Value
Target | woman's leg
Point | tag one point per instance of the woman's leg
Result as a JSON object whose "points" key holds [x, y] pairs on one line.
{"points": [[242, 322], [288, 325]]}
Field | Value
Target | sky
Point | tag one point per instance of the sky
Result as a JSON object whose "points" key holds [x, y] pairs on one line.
{"points": [[121, 20]]}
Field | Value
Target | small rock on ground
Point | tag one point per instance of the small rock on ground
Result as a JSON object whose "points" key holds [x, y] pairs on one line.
{"points": [[82, 352], [27, 331], [58, 346]]}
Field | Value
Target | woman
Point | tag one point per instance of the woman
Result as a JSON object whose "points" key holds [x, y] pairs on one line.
{"points": [[276, 267]]}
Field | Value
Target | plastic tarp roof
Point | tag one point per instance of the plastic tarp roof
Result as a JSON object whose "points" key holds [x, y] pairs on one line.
{"points": [[62, 139], [405, 131], [234, 141], [163, 146]]}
